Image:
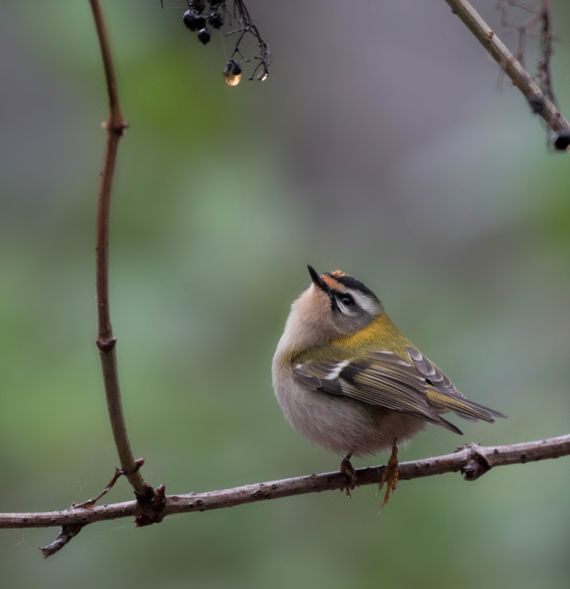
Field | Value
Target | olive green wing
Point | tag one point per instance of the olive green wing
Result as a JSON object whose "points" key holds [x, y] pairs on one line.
{"points": [[443, 395], [383, 379]]}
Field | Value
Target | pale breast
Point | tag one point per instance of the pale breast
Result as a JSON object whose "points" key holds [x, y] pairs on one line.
{"points": [[339, 424]]}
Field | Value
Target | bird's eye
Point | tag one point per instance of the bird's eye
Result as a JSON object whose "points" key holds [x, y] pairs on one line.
{"points": [[346, 299]]}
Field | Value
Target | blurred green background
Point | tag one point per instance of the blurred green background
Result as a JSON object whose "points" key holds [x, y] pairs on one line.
{"points": [[385, 143]]}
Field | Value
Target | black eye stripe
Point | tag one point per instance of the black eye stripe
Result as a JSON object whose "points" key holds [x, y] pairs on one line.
{"points": [[343, 297], [347, 299]]}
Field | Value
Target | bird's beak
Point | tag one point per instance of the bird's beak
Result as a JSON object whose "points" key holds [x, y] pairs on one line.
{"points": [[318, 281]]}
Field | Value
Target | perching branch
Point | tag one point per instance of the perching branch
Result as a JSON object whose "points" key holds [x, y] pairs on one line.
{"points": [[472, 461], [539, 101], [151, 504], [115, 126]]}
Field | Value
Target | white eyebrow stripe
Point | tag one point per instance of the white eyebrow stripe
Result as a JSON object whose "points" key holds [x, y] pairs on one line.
{"points": [[364, 302], [335, 372]]}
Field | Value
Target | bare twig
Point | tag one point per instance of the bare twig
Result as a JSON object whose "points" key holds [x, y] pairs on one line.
{"points": [[539, 101], [248, 27], [116, 476], [538, 18], [524, 28], [68, 532], [544, 73], [149, 499], [115, 126], [472, 461]]}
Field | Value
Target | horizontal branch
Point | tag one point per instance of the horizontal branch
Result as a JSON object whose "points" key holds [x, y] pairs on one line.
{"points": [[472, 461], [540, 103]]}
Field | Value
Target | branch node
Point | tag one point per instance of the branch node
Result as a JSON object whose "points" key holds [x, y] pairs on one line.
{"points": [[106, 344], [150, 506], [477, 464], [116, 128]]}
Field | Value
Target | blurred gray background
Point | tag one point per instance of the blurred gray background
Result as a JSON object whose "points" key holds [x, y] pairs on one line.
{"points": [[385, 143]]}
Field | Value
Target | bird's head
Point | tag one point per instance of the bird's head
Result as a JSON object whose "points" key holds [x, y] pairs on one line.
{"points": [[334, 305]]}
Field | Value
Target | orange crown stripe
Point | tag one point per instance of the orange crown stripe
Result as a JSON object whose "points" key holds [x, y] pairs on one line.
{"points": [[331, 282]]}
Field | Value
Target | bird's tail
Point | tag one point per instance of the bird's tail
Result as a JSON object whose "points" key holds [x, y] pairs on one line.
{"points": [[463, 407]]}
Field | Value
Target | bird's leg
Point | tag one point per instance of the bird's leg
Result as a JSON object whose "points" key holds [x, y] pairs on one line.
{"points": [[347, 469], [390, 474]]}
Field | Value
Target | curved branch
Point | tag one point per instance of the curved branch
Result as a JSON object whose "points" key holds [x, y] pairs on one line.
{"points": [[540, 103], [115, 126], [472, 461]]}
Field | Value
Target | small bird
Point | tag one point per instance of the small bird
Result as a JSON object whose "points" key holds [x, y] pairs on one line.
{"points": [[348, 379]]}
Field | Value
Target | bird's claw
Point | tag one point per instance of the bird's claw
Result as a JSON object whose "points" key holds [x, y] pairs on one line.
{"points": [[348, 470], [390, 474]]}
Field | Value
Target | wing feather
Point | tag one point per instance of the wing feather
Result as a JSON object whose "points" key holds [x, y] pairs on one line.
{"points": [[383, 379]]}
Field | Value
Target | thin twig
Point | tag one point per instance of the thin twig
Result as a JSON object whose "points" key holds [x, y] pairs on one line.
{"points": [[523, 29], [544, 73], [115, 126], [68, 532], [540, 103], [116, 476], [472, 461], [150, 500]]}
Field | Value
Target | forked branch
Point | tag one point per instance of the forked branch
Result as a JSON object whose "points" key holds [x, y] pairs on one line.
{"points": [[539, 101], [151, 505], [472, 461]]}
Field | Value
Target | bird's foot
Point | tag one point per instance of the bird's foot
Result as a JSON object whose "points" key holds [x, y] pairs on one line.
{"points": [[348, 470], [390, 474]]}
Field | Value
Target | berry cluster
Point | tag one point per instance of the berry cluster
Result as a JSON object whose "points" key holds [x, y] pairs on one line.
{"points": [[204, 15], [198, 19]]}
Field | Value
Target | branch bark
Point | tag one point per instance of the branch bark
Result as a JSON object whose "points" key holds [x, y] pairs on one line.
{"points": [[106, 342], [540, 103], [472, 461]]}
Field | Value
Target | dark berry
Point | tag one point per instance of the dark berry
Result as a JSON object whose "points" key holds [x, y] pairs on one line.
{"points": [[216, 21], [193, 21], [232, 67], [232, 72], [204, 36]]}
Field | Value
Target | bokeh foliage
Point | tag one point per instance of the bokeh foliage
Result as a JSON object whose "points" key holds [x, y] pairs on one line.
{"points": [[386, 150]]}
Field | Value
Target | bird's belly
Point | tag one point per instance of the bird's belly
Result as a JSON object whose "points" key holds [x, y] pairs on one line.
{"points": [[340, 424]]}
